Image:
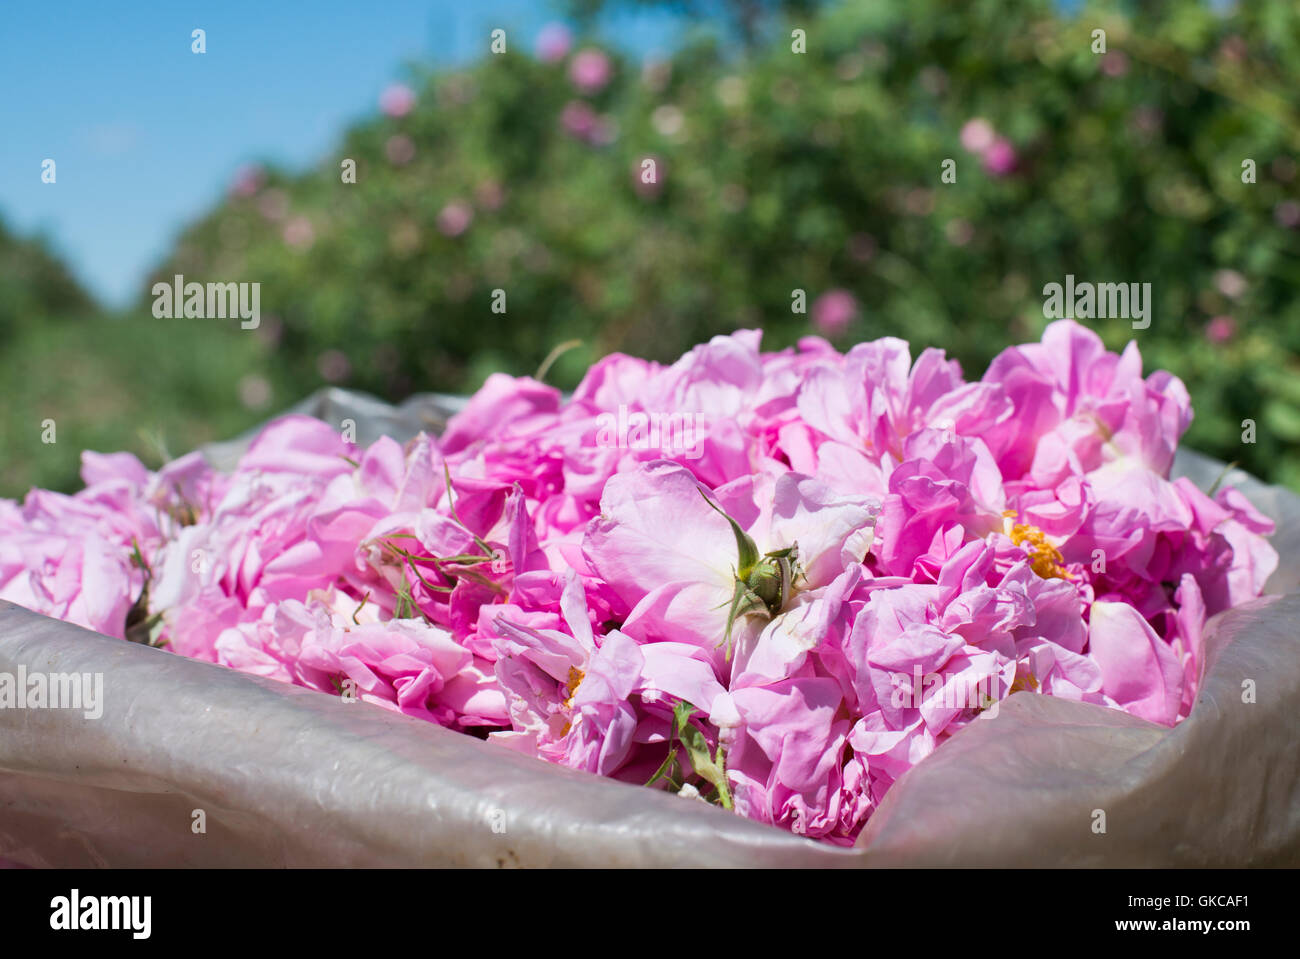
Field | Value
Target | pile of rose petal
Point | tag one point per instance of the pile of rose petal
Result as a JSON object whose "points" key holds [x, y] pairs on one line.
{"points": [[551, 577]]}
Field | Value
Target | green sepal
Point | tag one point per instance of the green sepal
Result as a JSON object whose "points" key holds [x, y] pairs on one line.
{"points": [[711, 770], [746, 548]]}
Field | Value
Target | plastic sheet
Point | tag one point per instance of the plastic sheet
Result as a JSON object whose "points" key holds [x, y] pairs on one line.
{"points": [[290, 777]]}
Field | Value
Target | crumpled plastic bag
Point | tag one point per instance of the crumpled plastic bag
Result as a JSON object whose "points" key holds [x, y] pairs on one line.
{"points": [[278, 775]]}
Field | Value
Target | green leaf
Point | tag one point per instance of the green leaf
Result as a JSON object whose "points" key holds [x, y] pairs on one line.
{"points": [[746, 548]]}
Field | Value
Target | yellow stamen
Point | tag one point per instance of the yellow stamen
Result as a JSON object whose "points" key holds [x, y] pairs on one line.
{"points": [[1029, 681], [1044, 558], [575, 680]]}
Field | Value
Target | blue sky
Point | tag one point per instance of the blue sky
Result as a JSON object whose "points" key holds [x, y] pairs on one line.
{"points": [[147, 135]]}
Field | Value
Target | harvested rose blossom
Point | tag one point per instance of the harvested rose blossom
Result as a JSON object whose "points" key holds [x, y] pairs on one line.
{"points": [[774, 582]]}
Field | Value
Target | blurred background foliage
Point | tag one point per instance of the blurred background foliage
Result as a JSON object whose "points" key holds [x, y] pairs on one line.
{"points": [[34, 285], [775, 171]]}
